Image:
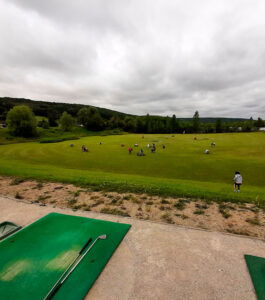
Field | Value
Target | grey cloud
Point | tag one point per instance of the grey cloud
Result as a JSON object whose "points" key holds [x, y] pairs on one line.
{"points": [[163, 57]]}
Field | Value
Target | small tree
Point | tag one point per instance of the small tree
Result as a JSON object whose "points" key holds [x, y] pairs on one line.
{"points": [[196, 122], [21, 121], [66, 122]]}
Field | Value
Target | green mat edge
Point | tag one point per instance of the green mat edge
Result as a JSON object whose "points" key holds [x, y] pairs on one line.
{"points": [[54, 213], [129, 226], [259, 294]]}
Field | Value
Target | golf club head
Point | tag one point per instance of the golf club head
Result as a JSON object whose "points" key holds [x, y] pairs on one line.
{"points": [[102, 237]]}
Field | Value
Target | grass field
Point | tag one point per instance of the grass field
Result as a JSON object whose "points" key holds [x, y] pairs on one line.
{"points": [[181, 169]]}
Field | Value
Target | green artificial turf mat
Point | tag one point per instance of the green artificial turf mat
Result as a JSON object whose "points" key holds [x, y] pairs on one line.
{"points": [[33, 259], [256, 267]]}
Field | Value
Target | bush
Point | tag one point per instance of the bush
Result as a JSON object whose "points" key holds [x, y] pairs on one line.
{"points": [[44, 124], [18, 196], [66, 122], [21, 121]]}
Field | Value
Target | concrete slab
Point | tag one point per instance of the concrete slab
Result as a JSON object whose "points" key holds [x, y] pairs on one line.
{"points": [[158, 261]]}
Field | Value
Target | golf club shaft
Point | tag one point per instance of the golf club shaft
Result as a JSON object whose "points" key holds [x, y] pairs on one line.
{"points": [[55, 288], [80, 259]]}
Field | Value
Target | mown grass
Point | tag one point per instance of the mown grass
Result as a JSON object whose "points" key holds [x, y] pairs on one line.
{"points": [[53, 135], [182, 169]]}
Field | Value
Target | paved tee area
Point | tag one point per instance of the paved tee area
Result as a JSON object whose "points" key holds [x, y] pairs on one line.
{"points": [[159, 261]]}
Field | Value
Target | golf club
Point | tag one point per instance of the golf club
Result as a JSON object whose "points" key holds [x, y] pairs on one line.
{"points": [[51, 292], [75, 264]]}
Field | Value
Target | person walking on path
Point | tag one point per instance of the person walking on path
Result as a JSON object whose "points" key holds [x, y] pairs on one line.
{"points": [[237, 181]]}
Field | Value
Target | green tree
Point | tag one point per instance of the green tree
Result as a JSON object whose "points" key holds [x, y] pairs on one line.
{"points": [[90, 118], [259, 123], [140, 125], [116, 122], [130, 124], [148, 125], [196, 122], [175, 124], [53, 116], [21, 121], [66, 122], [218, 126]]}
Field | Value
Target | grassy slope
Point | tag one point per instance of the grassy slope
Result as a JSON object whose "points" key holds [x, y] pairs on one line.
{"points": [[53, 134], [180, 169]]}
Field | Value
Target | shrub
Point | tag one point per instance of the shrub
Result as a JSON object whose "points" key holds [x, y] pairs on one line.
{"points": [[167, 218], [72, 201], [254, 221], [164, 201], [21, 121], [199, 212], [180, 205], [66, 122], [42, 198], [18, 196], [16, 181], [114, 211]]}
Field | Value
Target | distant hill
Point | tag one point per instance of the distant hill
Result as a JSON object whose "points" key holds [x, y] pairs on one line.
{"points": [[44, 108], [213, 120]]}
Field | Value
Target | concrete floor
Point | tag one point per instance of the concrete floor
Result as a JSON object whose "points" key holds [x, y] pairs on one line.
{"points": [[158, 261]]}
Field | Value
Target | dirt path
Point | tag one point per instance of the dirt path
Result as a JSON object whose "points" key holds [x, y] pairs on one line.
{"points": [[225, 217], [161, 261]]}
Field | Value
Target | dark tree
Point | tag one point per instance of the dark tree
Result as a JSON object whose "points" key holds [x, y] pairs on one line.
{"points": [[130, 124], [218, 126], [196, 122], [259, 123], [90, 118]]}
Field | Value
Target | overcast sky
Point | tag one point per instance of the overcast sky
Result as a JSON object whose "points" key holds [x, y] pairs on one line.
{"points": [[137, 56]]}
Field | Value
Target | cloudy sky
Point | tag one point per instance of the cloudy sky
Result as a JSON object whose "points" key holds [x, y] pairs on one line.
{"points": [[137, 56]]}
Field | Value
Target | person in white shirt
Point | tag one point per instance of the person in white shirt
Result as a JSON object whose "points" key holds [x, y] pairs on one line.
{"points": [[238, 180]]}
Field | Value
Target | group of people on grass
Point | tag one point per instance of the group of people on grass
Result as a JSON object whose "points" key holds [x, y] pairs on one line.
{"points": [[141, 152], [84, 149]]}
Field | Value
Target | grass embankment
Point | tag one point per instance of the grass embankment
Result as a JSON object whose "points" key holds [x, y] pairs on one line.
{"points": [[53, 135], [181, 169]]}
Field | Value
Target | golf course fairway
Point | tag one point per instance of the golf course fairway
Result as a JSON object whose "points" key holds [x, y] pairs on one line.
{"points": [[181, 169]]}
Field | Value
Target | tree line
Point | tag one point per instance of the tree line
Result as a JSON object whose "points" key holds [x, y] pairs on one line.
{"points": [[22, 122]]}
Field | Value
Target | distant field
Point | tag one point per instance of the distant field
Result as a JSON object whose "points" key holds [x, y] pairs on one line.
{"points": [[181, 169]]}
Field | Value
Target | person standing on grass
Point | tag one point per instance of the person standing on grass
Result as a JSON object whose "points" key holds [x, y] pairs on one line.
{"points": [[237, 181], [130, 150]]}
